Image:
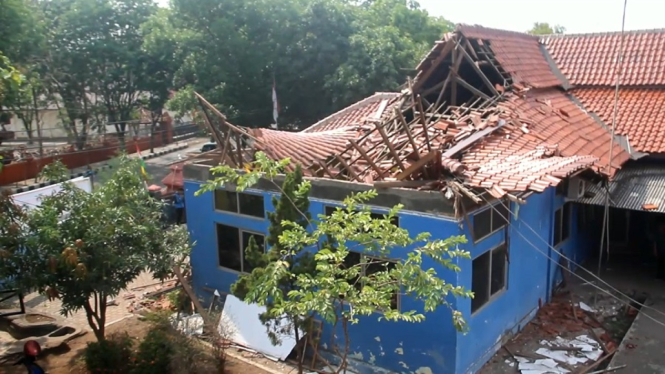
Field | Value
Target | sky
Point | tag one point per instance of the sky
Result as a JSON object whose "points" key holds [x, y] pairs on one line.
{"points": [[577, 16]]}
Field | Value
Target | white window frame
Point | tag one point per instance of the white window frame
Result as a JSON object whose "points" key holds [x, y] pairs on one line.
{"points": [[237, 211], [503, 289], [243, 246]]}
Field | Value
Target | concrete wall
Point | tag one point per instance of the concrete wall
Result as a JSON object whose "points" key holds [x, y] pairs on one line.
{"points": [[427, 347]]}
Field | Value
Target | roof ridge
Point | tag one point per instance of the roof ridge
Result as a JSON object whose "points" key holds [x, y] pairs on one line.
{"points": [[461, 26], [603, 33], [359, 104]]}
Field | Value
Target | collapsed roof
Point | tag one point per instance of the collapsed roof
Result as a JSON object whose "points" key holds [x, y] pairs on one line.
{"points": [[488, 109]]}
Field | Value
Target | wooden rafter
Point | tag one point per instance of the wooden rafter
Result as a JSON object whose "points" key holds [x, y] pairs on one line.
{"points": [[475, 67]]}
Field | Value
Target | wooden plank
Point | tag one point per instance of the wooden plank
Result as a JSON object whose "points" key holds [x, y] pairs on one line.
{"points": [[367, 158], [417, 165], [460, 146], [241, 160], [205, 103], [389, 144], [424, 123], [406, 184], [453, 72], [469, 87], [442, 56], [348, 168], [407, 131], [325, 168], [480, 73]]}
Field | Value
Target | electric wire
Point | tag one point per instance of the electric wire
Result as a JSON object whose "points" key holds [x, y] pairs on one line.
{"points": [[507, 219]]}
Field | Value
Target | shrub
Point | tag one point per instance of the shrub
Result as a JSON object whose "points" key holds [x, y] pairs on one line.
{"points": [[155, 351], [110, 356]]}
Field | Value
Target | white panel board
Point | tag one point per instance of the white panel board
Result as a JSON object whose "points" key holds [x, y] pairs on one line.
{"points": [[240, 324], [32, 199]]}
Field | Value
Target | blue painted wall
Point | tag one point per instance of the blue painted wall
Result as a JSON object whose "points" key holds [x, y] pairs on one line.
{"points": [[531, 276], [401, 346], [433, 344]]}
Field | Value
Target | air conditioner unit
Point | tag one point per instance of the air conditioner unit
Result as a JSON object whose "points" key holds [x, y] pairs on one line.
{"points": [[576, 188]]}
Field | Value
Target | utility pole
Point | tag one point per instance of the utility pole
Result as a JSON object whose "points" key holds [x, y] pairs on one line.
{"points": [[39, 128]]}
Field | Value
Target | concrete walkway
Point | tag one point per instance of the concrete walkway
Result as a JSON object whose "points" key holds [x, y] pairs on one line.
{"points": [[643, 348]]}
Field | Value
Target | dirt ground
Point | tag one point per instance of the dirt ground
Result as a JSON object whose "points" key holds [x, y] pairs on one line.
{"points": [[68, 359]]}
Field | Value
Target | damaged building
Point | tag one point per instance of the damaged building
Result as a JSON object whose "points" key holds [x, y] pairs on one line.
{"points": [[501, 136]]}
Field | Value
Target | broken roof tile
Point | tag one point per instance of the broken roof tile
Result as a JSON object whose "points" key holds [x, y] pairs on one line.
{"points": [[518, 53]]}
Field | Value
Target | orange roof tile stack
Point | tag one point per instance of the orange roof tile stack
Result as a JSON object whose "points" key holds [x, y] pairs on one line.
{"points": [[518, 53], [591, 59], [640, 115], [557, 120]]}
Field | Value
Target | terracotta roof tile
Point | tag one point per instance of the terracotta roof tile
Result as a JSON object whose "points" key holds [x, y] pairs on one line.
{"points": [[509, 163], [557, 119], [518, 53], [640, 115], [356, 114], [590, 59], [303, 148]]}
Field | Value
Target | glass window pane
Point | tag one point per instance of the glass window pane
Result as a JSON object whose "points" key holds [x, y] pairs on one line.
{"points": [[500, 215], [228, 247], [498, 273], [480, 282], [260, 242], [251, 205], [482, 224], [557, 227], [226, 201], [566, 224]]}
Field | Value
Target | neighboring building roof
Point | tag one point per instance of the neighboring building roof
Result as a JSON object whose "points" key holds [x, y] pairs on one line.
{"points": [[518, 53], [557, 120], [591, 59], [640, 114], [377, 106], [636, 187], [174, 179]]}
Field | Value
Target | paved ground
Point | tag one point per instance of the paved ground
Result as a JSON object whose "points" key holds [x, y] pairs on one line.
{"points": [[144, 282]]}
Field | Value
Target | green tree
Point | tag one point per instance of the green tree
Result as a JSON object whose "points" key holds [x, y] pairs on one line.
{"points": [[292, 206], [544, 28], [354, 273], [158, 68], [322, 54], [84, 248]]}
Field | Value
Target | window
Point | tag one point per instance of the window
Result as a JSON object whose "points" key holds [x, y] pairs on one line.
{"points": [[490, 220], [489, 275], [395, 220], [239, 202], [562, 227], [231, 245], [370, 266]]}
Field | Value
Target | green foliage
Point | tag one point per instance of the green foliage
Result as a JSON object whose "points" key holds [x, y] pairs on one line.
{"points": [[55, 171], [112, 356], [323, 54], [292, 206], [155, 351], [356, 272], [10, 78], [544, 28], [84, 248]]}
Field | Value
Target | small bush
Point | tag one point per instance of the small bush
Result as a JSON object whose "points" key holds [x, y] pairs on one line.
{"points": [[112, 356], [155, 351]]}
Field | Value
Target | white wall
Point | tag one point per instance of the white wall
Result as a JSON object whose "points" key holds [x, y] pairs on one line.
{"points": [[32, 199]]}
